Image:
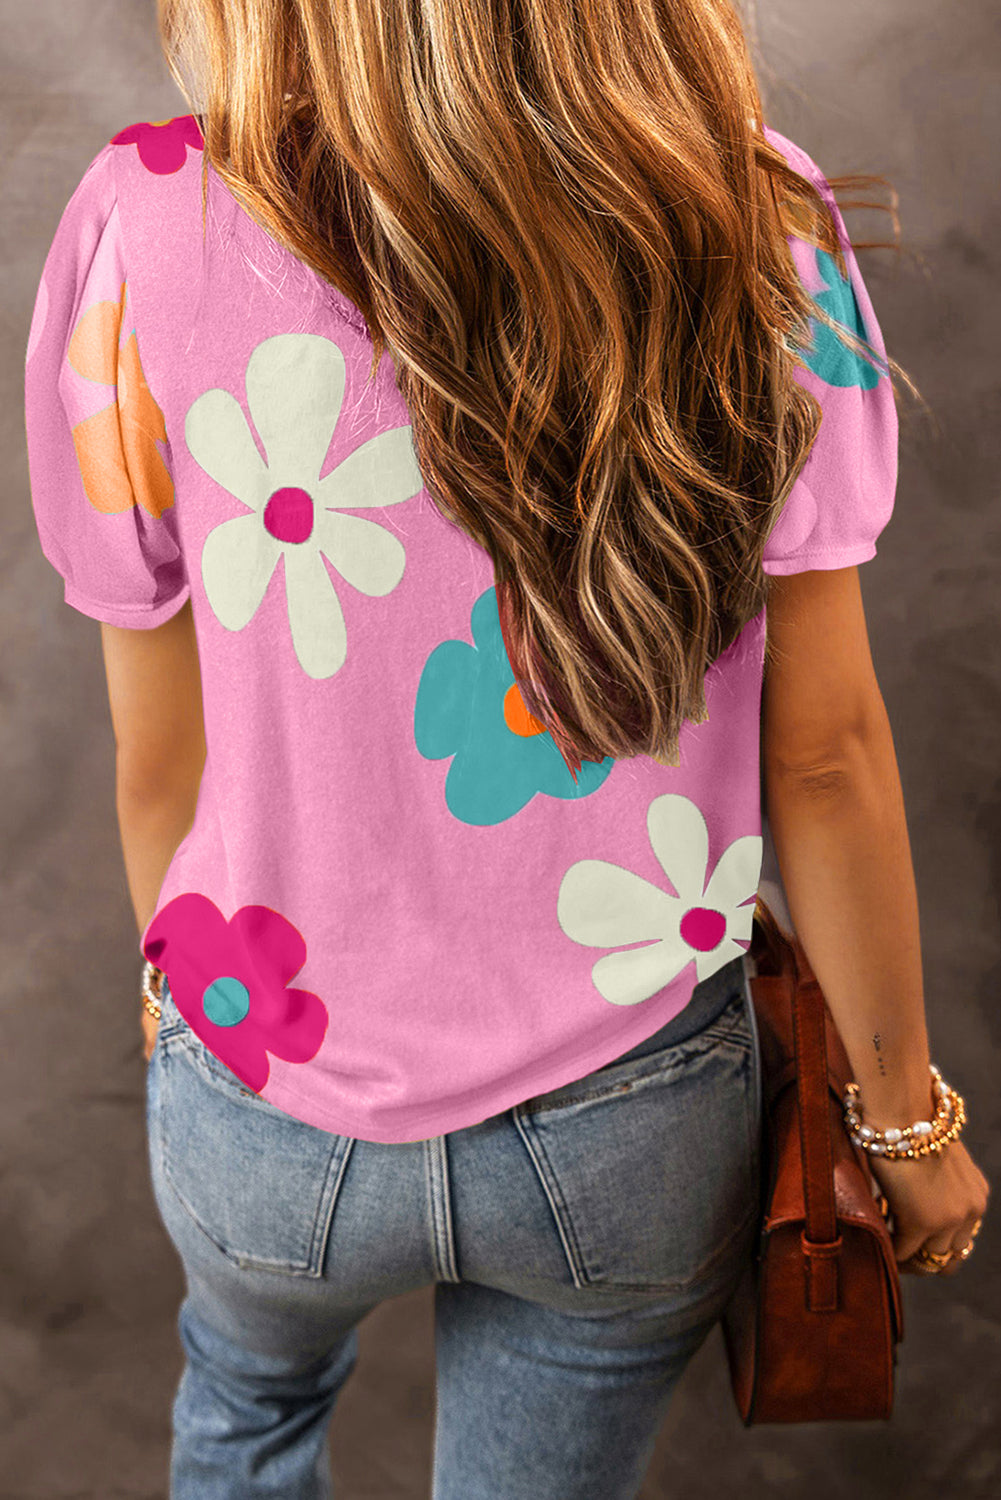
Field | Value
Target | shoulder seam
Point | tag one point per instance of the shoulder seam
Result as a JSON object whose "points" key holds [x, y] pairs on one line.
{"points": [[801, 159], [98, 160], [117, 195]]}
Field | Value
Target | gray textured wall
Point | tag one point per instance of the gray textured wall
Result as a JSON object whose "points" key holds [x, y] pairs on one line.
{"points": [[89, 1284]]}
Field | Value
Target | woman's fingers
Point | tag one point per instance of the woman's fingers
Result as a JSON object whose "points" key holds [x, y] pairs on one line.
{"points": [[966, 1235], [951, 1241]]}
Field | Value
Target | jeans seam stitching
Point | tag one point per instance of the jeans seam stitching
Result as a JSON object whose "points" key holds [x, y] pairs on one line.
{"points": [[327, 1204], [564, 1225], [725, 1038], [688, 1282]]}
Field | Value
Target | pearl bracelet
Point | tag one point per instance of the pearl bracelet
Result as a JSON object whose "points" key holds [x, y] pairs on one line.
{"points": [[151, 995], [919, 1139]]}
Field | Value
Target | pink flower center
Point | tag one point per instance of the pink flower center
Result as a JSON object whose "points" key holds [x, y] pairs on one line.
{"points": [[703, 928], [288, 515]]}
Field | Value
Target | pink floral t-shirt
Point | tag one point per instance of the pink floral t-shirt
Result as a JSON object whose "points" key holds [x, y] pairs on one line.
{"points": [[396, 912]]}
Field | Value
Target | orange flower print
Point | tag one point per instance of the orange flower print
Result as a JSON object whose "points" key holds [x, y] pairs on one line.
{"points": [[116, 447]]}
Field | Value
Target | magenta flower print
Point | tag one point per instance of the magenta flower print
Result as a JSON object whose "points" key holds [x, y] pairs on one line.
{"points": [[162, 144], [229, 980]]}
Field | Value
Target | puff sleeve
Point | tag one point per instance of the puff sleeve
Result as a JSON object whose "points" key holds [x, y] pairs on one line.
{"points": [[843, 496], [98, 458]]}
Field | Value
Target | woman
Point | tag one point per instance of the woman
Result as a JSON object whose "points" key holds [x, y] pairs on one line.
{"points": [[442, 704]]}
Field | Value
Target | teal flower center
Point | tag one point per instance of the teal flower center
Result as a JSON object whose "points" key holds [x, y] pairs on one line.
{"points": [[226, 1001]]}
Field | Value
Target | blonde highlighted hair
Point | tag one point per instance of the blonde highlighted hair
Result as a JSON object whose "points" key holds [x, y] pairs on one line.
{"points": [[564, 220]]}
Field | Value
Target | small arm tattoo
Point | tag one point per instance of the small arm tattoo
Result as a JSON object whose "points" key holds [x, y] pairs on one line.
{"points": [[876, 1041]]}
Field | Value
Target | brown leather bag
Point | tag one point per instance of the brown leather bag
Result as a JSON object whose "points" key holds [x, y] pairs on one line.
{"points": [[812, 1330]]}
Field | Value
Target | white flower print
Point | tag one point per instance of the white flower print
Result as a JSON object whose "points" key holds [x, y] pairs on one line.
{"points": [[603, 905], [295, 387]]}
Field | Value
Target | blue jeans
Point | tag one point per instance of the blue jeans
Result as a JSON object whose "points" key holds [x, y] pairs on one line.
{"points": [[581, 1246]]}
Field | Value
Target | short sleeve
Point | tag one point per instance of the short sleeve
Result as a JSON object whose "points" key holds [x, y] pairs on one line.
{"points": [[98, 456], [843, 496]]}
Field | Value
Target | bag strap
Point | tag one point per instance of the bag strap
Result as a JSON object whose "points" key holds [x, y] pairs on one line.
{"points": [[820, 1237]]}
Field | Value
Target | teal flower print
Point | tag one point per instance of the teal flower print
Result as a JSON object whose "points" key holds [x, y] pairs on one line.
{"points": [[828, 357], [468, 706]]}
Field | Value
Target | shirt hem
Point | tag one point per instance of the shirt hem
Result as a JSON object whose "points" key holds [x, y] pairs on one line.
{"points": [[437, 1120]]}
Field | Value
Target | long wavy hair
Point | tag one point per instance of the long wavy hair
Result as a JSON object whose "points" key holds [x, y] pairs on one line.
{"points": [[564, 221]]}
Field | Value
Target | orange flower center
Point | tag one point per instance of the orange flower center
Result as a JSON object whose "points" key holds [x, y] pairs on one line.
{"points": [[516, 715]]}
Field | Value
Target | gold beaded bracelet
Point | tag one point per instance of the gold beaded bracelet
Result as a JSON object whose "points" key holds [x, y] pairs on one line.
{"points": [[920, 1139]]}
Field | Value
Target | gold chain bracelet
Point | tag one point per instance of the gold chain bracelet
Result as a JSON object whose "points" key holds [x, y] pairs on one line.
{"points": [[920, 1139]]}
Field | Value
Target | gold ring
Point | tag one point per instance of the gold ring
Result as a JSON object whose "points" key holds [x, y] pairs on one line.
{"points": [[940, 1258], [925, 1268], [969, 1248], [930, 1261]]}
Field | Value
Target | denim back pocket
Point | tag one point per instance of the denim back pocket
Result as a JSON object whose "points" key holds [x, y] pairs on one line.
{"points": [[261, 1184], [651, 1165]]}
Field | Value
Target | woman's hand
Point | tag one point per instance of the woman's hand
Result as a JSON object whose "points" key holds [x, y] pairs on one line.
{"points": [[936, 1200], [150, 1027]]}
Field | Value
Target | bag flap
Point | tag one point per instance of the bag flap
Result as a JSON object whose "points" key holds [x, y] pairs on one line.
{"points": [[854, 1196]]}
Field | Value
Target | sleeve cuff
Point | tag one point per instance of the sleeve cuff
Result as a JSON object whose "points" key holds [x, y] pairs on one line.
{"points": [[821, 560], [129, 616]]}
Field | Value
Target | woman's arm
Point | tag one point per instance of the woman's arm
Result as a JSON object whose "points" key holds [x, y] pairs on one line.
{"points": [[155, 694], [836, 812], [843, 849]]}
